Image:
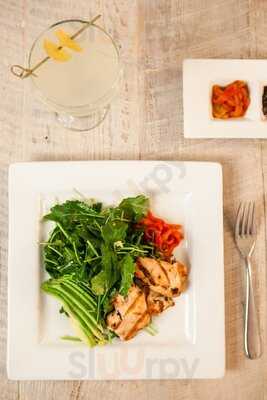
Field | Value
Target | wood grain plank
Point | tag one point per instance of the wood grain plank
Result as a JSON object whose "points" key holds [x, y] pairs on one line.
{"points": [[11, 41]]}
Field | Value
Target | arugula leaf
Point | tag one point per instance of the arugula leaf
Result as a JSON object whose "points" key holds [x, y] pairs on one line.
{"points": [[109, 273], [71, 211], [135, 207], [98, 283], [114, 231], [97, 207], [127, 267], [107, 301], [110, 266]]}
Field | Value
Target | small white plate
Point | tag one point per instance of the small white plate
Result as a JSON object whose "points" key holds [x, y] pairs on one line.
{"points": [[198, 78], [190, 342]]}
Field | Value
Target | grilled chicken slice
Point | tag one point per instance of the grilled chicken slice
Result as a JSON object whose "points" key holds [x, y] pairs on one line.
{"points": [[159, 282], [157, 303], [162, 277], [130, 314]]}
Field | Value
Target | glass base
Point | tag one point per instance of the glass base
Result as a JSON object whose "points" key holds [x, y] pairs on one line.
{"points": [[82, 124]]}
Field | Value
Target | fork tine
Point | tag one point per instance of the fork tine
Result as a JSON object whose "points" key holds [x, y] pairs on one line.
{"points": [[238, 220], [244, 222], [253, 223], [249, 218]]}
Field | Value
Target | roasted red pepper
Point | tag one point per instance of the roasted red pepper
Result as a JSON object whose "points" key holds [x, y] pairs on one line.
{"points": [[231, 101], [164, 236]]}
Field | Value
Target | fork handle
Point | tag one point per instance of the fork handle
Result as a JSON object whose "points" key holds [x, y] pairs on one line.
{"points": [[252, 339]]}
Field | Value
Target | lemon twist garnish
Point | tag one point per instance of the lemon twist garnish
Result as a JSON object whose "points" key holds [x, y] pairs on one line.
{"points": [[66, 41], [55, 52]]}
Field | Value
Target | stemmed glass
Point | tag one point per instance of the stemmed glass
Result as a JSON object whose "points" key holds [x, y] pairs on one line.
{"points": [[75, 68]]}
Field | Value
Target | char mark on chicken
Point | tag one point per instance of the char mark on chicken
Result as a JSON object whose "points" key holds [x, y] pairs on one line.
{"points": [[130, 313], [162, 277], [156, 283]]}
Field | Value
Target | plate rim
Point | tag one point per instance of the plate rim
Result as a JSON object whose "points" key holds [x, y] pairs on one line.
{"points": [[17, 166]]}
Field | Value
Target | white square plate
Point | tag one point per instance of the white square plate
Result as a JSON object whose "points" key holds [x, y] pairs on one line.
{"points": [[190, 342], [198, 78]]}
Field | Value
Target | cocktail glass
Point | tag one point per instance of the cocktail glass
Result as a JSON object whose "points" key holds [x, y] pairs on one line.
{"points": [[77, 79]]}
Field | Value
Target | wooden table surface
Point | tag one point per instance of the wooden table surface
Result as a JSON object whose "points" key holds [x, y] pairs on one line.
{"points": [[145, 123]]}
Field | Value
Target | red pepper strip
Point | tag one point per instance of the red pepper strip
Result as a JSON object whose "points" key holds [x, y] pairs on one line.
{"points": [[163, 235], [230, 101]]}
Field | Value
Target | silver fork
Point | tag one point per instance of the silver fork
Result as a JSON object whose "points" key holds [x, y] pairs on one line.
{"points": [[245, 237]]}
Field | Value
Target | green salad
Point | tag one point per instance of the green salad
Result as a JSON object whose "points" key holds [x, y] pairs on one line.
{"points": [[90, 257]]}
